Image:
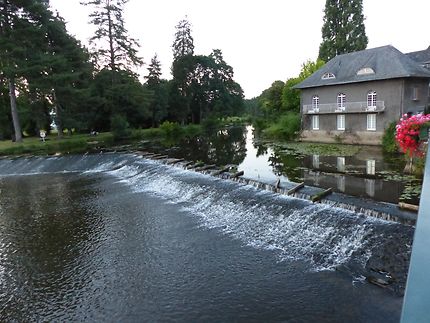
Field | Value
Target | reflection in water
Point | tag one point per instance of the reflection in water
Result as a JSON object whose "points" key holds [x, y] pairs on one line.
{"points": [[39, 242], [341, 183], [316, 161], [265, 161], [370, 187], [222, 148]]}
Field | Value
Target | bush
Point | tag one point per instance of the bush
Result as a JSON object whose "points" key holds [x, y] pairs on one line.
{"points": [[192, 130], [389, 144], [170, 129], [120, 127], [211, 124], [259, 124], [287, 127]]}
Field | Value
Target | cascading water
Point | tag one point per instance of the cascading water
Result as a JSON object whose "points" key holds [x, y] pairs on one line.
{"points": [[116, 237], [323, 235]]}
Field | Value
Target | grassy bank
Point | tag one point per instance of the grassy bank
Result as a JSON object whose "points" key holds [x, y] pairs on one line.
{"points": [[52, 145], [282, 127], [81, 143]]}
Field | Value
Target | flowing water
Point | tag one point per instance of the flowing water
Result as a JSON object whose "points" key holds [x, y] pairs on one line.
{"points": [[117, 238]]}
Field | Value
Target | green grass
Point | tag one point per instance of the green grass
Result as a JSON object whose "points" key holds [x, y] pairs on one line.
{"points": [[73, 144]]}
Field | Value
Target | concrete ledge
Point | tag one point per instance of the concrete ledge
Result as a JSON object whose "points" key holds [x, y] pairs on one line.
{"points": [[372, 138]]}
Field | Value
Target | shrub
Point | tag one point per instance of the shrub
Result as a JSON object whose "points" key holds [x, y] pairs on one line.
{"points": [[120, 127], [192, 130], [211, 124], [389, 144], [259, 124], [287, 127], [170, 129]]}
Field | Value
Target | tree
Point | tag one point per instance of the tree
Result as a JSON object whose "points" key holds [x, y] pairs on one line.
{"points": [[121, 50], [343, 30], [66, 73], [17, 28], [183, 44], [291, 96], [183, 61], [128, 94], [271, 99], [158, 90]]}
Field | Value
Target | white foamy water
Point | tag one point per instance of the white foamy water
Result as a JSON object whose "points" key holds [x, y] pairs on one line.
{"points": [[296, 229]]}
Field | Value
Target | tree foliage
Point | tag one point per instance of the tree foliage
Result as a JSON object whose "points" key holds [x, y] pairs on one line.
{"points": [[158, 91], [343, 30], [183, 44], [114, 48], [53, 79], [202, 86]]}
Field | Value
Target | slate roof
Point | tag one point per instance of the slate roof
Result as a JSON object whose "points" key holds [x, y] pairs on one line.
{"points": [[422, 56], [387, 63]]}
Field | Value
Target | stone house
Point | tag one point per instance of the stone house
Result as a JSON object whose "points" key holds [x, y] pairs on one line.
{"points": [[355, 96]]}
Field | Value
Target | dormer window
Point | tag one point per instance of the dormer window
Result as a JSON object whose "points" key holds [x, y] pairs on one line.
{"points": [[366, 71], [328, 76]]}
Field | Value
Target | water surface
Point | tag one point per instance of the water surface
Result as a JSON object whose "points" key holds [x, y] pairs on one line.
{"points": [[117, 238]]}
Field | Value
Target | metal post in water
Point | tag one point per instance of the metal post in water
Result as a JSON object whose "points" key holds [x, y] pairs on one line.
{"points": [[416, 304]]}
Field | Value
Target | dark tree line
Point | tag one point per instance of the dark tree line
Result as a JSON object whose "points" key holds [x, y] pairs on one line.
{"points": [[47, 77]]}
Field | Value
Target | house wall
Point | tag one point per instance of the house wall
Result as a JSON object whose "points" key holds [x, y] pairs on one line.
{"points": [[416, 106], [395, 93]]}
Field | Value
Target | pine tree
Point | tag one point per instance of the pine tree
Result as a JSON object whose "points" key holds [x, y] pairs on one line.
{"points": [[182, 68], [154, 70], [158, 90], [184, 42], [343, 30], [121, 51]]}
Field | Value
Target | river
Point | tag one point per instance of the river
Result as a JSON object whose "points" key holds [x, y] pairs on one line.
{"points": [[117, 238], [362, 171]]}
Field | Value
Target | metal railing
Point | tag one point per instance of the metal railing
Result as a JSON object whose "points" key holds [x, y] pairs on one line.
{"points": [[416, 304], [349, 107]]}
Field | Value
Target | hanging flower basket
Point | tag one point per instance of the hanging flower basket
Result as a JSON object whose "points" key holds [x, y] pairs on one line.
{"points": [[411, 132]]}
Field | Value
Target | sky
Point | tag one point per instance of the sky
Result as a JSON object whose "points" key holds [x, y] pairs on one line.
{"points": [[263, 41]]}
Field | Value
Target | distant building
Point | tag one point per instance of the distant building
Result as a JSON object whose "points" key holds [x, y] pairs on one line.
{"points": [[355, 96]]}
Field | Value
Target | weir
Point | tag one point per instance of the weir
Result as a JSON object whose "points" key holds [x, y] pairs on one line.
{"points": [[322, 234], [381, 210]]}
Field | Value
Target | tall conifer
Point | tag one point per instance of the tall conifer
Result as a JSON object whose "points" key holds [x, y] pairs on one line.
{"points": [[343, 30], [114, 48]]}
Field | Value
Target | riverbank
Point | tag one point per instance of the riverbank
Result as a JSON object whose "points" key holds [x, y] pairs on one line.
{"points": [[169, 132], [361, 171]]}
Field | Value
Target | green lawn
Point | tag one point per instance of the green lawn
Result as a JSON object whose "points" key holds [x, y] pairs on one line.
{"points": [[68, 144]]}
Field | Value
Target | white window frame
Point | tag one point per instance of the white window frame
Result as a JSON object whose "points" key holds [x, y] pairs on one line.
{"points": [[340, 164], [371, 122], [415, 94], [370, 167], [315, 102], [371, 99], [328, 76], [316, 122], [366, 71], [340, 122], [341, 99]]}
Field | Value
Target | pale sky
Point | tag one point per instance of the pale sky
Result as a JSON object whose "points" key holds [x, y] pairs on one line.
{"points": [[263, 41]]}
